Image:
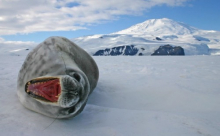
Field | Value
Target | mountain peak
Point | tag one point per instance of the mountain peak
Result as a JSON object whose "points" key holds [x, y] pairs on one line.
{"points": [[162, 26]]}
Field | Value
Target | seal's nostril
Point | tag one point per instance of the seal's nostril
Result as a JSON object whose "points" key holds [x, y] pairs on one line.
{"points": [[77, 77]]}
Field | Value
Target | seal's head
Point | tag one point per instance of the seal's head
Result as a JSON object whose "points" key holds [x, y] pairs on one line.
{"points": [[57, 78]]}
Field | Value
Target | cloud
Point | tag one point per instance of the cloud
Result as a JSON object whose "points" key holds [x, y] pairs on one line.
{"points": [[4, 42], [26, 16], [15, 48]]}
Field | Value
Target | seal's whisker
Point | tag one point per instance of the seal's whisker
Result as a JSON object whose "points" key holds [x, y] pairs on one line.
{"points": [[51, 123]]}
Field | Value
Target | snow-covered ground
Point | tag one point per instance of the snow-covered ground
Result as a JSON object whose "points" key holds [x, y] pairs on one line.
{"points": [[135, 96], [143, 96]]}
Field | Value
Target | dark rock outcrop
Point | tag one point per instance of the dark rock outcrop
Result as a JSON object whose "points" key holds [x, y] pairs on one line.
{"points": [[159, 39], [169, 50], [129, 50]]}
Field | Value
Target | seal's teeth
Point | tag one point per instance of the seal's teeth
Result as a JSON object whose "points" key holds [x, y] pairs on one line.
{"points": [[58, 95], [28, 91], [29, 83]]}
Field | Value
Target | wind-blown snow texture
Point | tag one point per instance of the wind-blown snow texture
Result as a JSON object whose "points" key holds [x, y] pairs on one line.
{"points": [[152, 34], [141, 96]]}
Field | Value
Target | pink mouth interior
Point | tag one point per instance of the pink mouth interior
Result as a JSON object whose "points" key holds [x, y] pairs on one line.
{"points": [[49, 90]]}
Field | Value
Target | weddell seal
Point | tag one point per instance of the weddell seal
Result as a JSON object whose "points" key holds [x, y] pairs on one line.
{"points": [[56, 78]]}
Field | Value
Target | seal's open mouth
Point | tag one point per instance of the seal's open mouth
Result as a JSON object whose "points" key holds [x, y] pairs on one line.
{"points": [[46, 89]]}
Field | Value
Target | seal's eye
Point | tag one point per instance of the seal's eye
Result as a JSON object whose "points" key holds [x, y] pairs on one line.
{"points": [[76, 76]]}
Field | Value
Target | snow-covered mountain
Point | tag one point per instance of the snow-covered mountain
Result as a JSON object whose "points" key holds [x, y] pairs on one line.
{"points": [[143, 96], [158, 27], [140, 40], [145, 38]]}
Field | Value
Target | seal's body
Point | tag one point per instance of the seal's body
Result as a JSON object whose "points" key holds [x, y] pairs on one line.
{"points": [[57, 78]]}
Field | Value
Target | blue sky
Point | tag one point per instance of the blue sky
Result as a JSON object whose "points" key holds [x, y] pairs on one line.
{"points": [[35, 21]]}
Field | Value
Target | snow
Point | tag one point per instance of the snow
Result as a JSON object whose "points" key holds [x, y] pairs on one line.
{"points": [[143, 96], [159, 26], [143, 35], [93, 44], [165, 96]]}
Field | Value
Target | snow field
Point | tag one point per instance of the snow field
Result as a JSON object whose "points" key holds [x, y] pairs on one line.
{"points": [[164, 96]]}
